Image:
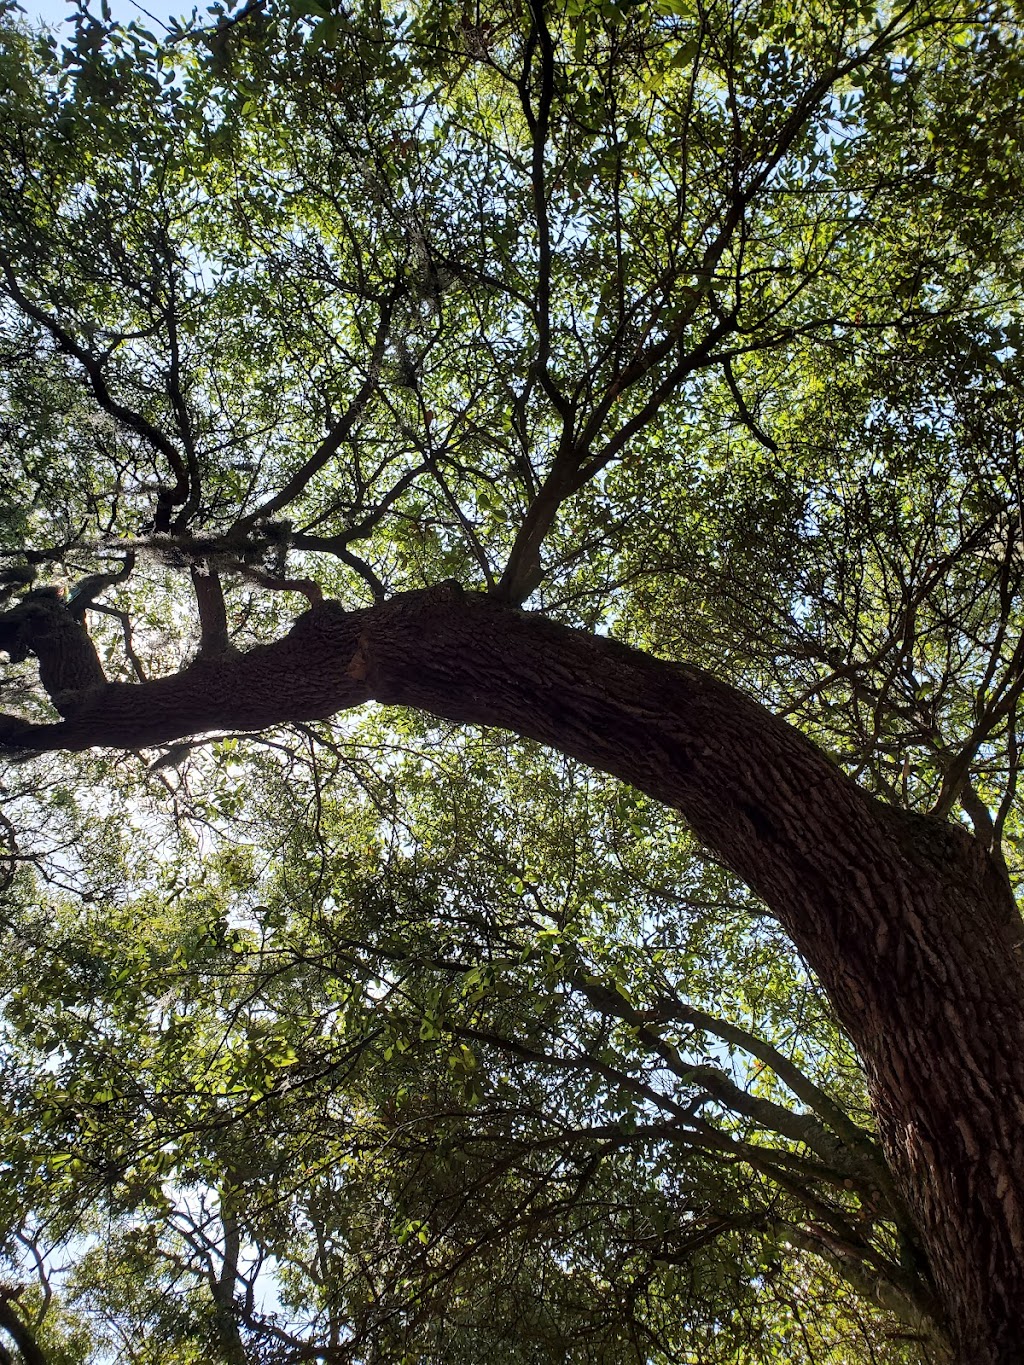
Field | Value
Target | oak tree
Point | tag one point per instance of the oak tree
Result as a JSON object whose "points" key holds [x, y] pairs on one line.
{"points": [[641, 379]]}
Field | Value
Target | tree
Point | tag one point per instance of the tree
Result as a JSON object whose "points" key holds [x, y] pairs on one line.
{"points": [[348, 334]]}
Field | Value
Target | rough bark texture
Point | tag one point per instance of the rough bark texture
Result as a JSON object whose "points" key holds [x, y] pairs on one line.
{"points": [[908, 925]]}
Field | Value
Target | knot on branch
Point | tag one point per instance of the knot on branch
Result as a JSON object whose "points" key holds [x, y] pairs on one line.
{"points": [[21, 623], [42, 624], [325, 615]]}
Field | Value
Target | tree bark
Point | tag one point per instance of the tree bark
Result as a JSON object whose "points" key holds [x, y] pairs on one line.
{"points": [[29, 1350], [906, 921]]}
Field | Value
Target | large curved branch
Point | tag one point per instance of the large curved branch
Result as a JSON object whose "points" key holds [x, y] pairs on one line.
{"points": [[750, 784], [759, 793]]}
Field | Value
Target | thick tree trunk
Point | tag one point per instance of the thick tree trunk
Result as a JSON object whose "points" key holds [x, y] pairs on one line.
{"points": [[908, 925]]}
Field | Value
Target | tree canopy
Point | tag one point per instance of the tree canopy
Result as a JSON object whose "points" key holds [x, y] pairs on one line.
{"points": [[627, 395]]}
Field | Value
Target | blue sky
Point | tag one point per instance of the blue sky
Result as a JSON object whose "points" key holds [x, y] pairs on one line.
{"points": [[55, 12]]}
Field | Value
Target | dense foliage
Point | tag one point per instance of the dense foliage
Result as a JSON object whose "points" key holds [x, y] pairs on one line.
{"points": [[690, 323]]}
